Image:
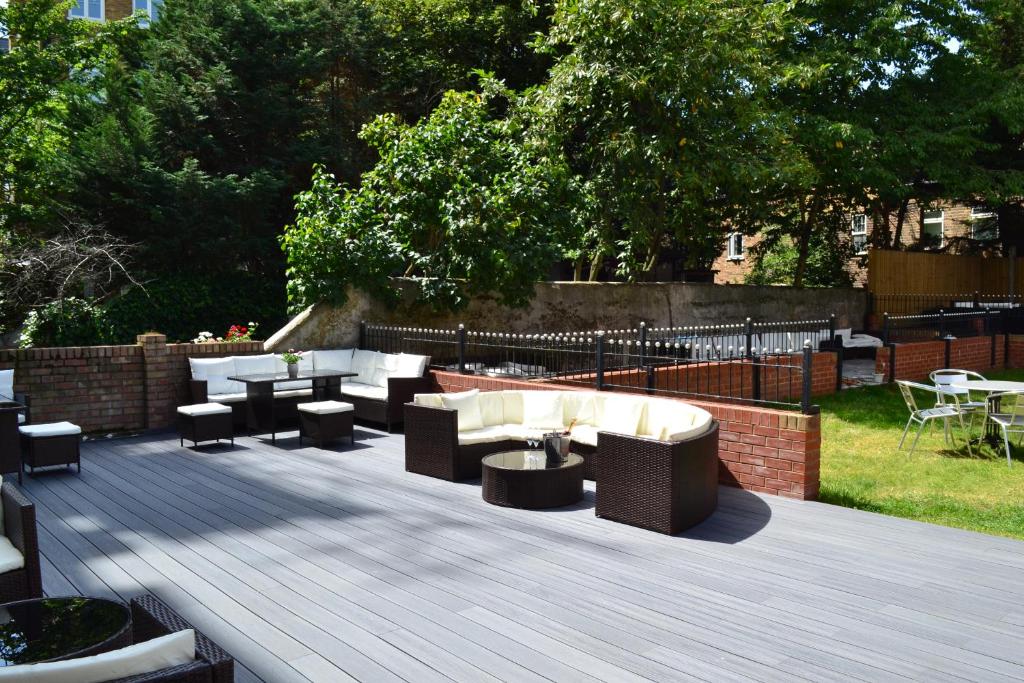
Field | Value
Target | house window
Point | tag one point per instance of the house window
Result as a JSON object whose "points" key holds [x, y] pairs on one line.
{"points": [[150, 7], [5, 45], [984, 224], [736, 247], [932, 228], [87, 9], [859, 230]]}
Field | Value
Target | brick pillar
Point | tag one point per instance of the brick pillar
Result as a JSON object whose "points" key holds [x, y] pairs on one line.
{"points": [[160, 395]]}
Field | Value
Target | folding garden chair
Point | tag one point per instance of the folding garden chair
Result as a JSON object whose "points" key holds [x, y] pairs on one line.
{"points": [[1010, 420], [947, 406]]}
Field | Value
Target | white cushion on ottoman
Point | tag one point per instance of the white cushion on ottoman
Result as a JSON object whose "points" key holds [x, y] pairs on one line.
{"points": [[153, 655], [326, 407], [204, 409], [50, 429]]}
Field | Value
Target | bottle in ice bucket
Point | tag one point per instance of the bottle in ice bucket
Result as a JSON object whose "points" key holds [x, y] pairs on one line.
{"points": [[556, 445]]}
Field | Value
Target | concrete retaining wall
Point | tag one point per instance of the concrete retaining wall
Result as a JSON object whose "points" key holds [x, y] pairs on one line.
{"points": [[569, 306]]}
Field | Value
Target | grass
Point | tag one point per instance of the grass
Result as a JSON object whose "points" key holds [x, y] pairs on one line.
{"points": [[940, 483]]}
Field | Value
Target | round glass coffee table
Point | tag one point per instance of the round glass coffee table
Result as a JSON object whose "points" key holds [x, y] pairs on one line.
{"points": [[51, 629], [525, 479]]}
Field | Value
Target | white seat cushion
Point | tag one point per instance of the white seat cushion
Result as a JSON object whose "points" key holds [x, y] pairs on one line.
{"points": [[410, 365], [334, 359], [10, 558], [671, 420], [293, 393], [50, 429], [6, 385], [293, 384], [431, 400], [467, 404], [542, 409], [622, 414], [164, 652], [227, 398], [21, 418], [862, 341], [521, 433], [204, 409], [360, 390], [491, 434], [326, 407], [215, 371], [263, 364], [585, 434]]}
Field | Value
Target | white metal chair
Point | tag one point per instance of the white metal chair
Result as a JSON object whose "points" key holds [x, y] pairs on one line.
{"points": [[946, 378], [1010, 419], [947, 406]]}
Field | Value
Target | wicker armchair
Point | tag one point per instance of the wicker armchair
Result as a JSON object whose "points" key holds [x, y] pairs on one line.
{"points": [[10, 438], [665, 486], [20, 529], [151, 618]]}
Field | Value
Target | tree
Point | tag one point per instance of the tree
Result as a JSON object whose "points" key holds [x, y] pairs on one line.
{"points": [[459, 202], [664, 112]]}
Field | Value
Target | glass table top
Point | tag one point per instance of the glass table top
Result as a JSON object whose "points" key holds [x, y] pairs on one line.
{"points": [[57, 628], [528, 460]]}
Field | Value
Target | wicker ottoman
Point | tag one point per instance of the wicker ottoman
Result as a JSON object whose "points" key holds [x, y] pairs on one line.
{"points": [[54, 443], [325, 420], [205, 422]]}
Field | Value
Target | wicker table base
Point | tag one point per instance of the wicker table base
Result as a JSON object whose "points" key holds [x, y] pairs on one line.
{"points": [[507, 482]]}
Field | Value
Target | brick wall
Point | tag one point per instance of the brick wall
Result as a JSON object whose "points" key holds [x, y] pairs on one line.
{"points": [[914, 361], [760, 449], [111, 388], [1015, 349]]}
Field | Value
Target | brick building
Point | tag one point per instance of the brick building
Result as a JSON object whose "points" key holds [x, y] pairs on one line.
{"points": [[102, 10], [952, 228]]}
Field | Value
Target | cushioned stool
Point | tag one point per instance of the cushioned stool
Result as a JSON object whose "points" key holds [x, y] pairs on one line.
{"points": [[46, 445], [205, 422], [325, 420]]}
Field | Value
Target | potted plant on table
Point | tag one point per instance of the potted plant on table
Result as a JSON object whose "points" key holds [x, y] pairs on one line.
{"points": [[291, 357]]}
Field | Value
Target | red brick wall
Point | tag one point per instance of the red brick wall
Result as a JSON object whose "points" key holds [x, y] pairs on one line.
{"points": [[1015, 349], [111, 388], [760, 449], [914, 361]]}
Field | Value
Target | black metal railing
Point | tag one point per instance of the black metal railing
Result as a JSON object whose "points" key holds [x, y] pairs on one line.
{"points": [[700, 363], [941, 325], [930, 304]]}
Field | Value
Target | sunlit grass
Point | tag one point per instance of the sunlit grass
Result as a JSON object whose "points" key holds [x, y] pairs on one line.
{"points": [[940, 483]]}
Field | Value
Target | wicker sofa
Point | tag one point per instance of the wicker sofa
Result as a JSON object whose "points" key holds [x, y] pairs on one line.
{"points": [[19, 547], [165, 649], [11, 416], [655, 460], [383, 383]]}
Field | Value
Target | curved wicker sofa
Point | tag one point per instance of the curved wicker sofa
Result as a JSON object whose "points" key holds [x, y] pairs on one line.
{"points": [[655, 460]]}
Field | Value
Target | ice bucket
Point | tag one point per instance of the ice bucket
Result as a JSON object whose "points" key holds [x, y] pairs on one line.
{"points": [[556, 447]]}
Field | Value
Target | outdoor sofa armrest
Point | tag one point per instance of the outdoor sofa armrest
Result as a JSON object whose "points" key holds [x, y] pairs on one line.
{"points": [[197, 390], [402, 389], [431, 441], [151, 618], [25, 400], [20, 529]]}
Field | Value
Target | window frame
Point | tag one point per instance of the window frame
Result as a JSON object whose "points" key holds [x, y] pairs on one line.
{"points": [[85, 12], [148, 10], [731, 253], [941, 222], [985, 213], [855, 233]]}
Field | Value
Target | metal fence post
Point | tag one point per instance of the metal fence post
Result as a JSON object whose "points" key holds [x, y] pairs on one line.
{"points": [[748, 330], [643, 345], [599, 362], [650, 379], [885, 329], [832, 328], [462, 349], [991, 327], [949, 344], [942, 323], [977, 300], [362, 334], [805, 398]]}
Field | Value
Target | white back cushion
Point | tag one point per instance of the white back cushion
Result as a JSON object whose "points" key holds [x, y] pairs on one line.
{"points": [[365, 364], [542, 409], [467, 403], [256, 365], [622, 414], [410, 365], [512, 407], [579, 406], [216, 372], [492, 408], [335, 359], [6, 385], [173, 649]]}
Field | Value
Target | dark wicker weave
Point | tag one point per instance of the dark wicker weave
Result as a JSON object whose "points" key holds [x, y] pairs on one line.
{"points": [[665, 486], [151, 618], [198, 428], [533, 489], [432, 446], [20, 529], [50, 451], [325, 427]]}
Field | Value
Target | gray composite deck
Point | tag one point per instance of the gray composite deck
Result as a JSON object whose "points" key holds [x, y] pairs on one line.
{"points": [[333, 566]]}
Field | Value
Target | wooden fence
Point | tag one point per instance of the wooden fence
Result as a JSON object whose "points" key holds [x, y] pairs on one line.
{"points": [[908, 272]]}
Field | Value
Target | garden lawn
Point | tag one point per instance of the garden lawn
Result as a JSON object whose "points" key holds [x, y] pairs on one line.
{"points": [[861, 468]]}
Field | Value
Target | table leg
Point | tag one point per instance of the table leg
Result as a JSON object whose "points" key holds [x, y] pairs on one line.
{"points": [[260, 409], [327, 389]]}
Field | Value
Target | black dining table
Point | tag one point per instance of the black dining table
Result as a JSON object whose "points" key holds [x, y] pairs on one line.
{"points": [[260, 411]]}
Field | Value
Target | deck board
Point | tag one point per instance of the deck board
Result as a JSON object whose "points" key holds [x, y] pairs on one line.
{"points": [[311, 565]]}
